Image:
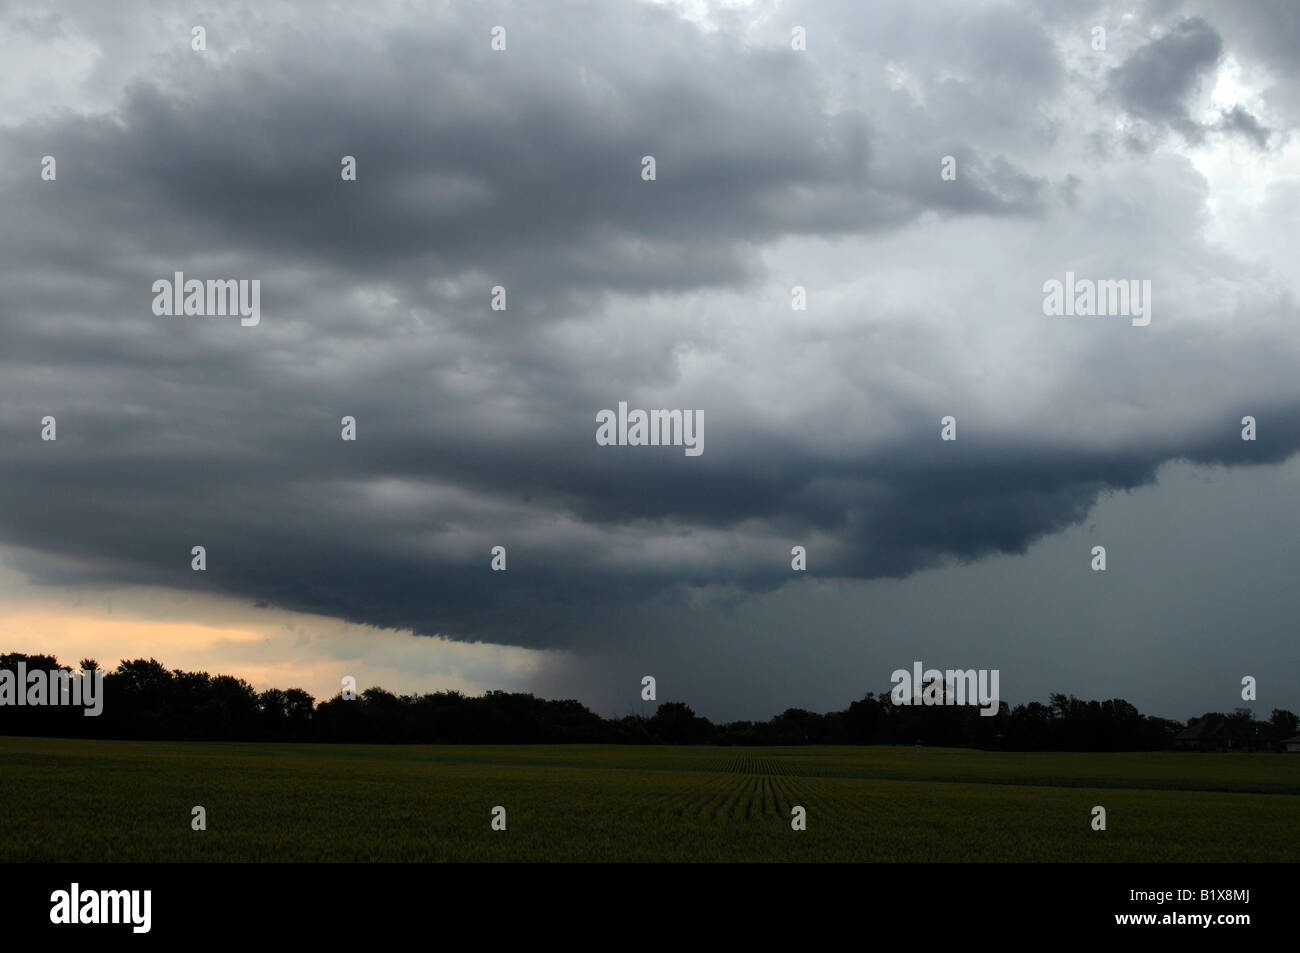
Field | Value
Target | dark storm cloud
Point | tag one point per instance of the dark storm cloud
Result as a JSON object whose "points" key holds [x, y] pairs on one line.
{"points": [[1240, 121], [527, 163], [1157, 80], [476, 428]]}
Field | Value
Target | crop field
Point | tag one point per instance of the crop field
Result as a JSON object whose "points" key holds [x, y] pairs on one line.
{"points": [[90, 801]]}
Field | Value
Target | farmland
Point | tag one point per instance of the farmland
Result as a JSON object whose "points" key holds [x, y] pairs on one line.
{"points": [[72, 800]]}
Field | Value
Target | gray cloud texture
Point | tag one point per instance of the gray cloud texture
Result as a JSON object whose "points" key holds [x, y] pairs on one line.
{"points": [[475, 168], [1158, 79]]}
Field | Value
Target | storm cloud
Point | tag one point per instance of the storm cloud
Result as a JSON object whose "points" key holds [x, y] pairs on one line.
{"points": [[521, 168]]}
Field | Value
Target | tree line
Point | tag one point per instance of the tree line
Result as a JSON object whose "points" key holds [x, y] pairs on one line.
{"points": [[144, 700]]}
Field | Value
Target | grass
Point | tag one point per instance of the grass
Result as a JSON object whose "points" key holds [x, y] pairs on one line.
{"points": [[72, 800]]}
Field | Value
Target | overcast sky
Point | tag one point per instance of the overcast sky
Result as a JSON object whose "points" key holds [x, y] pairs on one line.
{"points": [[1169, 156]]}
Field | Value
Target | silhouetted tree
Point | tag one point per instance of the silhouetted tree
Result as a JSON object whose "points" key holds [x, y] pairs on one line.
{"points": [[143, 699]]}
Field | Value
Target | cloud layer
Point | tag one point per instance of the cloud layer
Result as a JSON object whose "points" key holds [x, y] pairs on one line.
{"points": [[775, 168]]}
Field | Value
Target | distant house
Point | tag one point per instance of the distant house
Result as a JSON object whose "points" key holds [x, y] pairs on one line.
{"points": [[1208, 734], [1291, 744]]}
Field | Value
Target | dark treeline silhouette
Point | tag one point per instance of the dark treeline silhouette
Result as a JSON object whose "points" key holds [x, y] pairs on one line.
{"points": [[145, 700]]}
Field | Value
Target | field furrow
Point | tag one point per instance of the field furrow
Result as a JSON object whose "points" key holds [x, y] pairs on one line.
{"points": [[92, 801]]}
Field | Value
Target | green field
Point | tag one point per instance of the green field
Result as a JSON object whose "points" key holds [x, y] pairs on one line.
{"points": [[70, 800]]}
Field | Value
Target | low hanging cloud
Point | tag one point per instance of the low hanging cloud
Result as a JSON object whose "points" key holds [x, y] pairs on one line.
{"points": [[522, 169]]}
